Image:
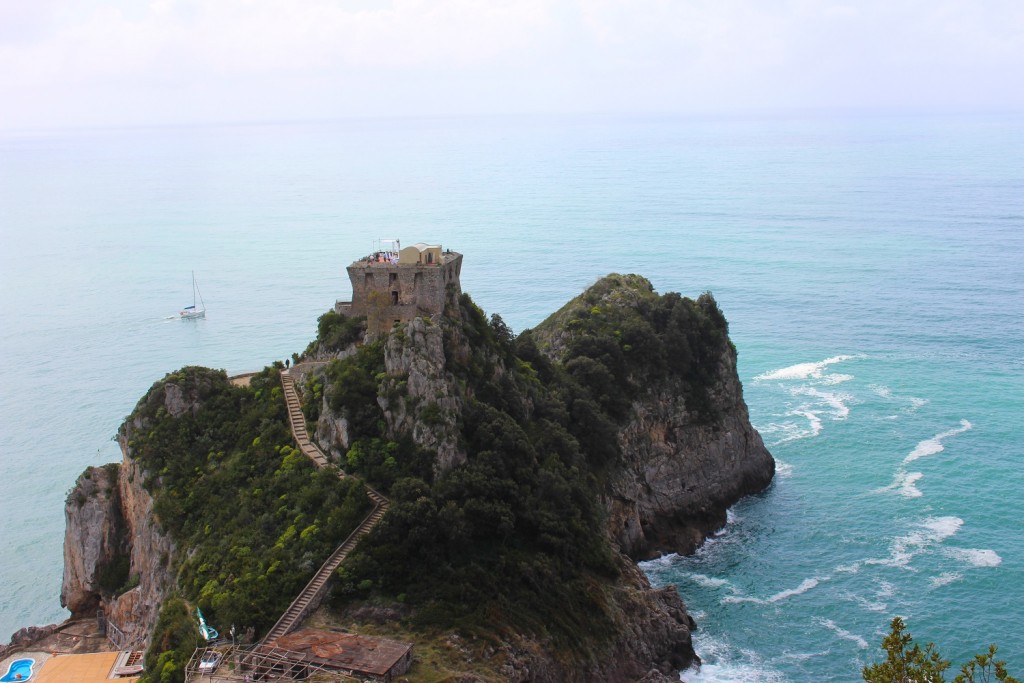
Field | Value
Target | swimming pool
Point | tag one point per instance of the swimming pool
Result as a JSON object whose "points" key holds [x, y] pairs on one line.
{"points": [[19, 670]]}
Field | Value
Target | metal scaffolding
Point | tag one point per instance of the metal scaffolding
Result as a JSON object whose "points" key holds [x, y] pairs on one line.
{"points": [[228, 664]]}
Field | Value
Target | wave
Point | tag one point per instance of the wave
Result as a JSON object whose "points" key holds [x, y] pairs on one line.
{"points": [[793, 431], [708, 581], [905, 482], [881, 390], [934, 445], [976, 557], [783, 470], [663, 562], [841, 632], [886, 393], [724, 663], [835, 401], [930, 532], [802, 370], [732, 672], [945, 579], [805, 585], [916, 403]]}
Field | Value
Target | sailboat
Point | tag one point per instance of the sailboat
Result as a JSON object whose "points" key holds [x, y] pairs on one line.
{"points": [[193, 311]]}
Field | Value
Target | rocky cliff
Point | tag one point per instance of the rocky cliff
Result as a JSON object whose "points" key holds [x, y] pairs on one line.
{"points": [[688, 450], [645, 386], [116, 556], [519, 469]]}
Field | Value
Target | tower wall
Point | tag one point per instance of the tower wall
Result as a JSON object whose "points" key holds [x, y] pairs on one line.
{"points": [[387, 292]]}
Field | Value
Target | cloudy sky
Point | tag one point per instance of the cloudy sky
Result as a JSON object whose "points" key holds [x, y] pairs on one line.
{"points": [[93, 62]]}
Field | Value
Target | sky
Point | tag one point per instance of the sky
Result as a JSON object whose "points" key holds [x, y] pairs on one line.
{"points": [[133, 62]]}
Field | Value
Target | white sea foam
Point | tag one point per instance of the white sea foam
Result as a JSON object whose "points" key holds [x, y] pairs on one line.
{"points": [[802, 656], [883, 391], [906, 482], [941, 528], [873, 605], [834, 400], [878, 606], [805, 585], [814, 423], [934, 445], [783, 470], [884, 589], [731, 672], [723, 663], [945, 579], [707, 581], [842, 633], [976, 557], [905, 548], [886, 393], [663, 562], [916, 403], [802, 370]]}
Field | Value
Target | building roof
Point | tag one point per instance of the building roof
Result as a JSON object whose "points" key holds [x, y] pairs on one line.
{"points": [[346, 651], [90, 668]]}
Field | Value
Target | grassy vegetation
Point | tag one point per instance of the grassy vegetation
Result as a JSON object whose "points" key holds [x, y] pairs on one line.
{"points": [[620, 338], [335, 332], [254, 519]]}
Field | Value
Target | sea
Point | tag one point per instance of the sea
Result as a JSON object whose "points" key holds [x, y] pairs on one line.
{"points": [[871, 267]]}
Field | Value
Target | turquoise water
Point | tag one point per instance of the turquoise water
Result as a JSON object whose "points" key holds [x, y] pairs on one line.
{"points": [[19, 670], [869, 268]]}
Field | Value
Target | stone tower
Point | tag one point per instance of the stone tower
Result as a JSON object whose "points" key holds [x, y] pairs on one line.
{"points": [[395, 285]]}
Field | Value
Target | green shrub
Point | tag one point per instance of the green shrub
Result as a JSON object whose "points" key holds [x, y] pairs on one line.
{"points": [[230, 486]]}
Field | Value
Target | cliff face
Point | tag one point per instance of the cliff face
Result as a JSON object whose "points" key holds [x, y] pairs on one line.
{"points": [[416, 358], [94, 539], [679, 476], [116, 557], [687, 448], [152, 553]]}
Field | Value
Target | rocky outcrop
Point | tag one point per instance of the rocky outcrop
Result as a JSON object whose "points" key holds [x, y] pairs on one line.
{"points": [[688, 450], [654, 641], [684, 458], [152, 553], [94, 541], [420, 397], [116, 558], [680, 475]]}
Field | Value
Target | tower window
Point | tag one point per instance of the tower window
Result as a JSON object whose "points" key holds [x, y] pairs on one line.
{"points": [[394, 298]]}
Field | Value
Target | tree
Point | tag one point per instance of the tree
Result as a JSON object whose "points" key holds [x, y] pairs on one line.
{"points": [[906, 662], [985, 669]]}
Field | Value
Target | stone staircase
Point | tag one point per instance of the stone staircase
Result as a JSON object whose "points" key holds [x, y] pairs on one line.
{"points": [[313, 594], [298, 423]]}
